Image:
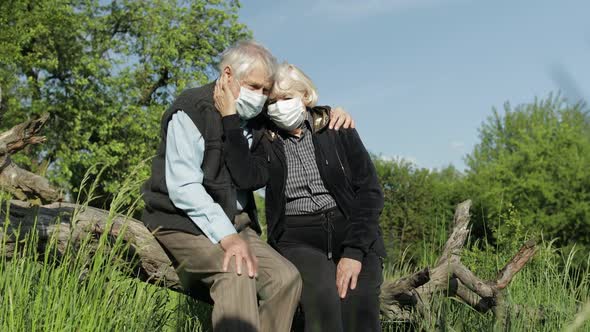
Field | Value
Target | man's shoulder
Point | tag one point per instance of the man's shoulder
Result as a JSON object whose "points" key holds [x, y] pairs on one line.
{"points": [[193, 101], [195, 97]]}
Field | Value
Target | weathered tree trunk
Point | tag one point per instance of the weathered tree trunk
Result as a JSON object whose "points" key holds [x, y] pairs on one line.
{"points": [[451, 278], [400, 299], [71, 223]]}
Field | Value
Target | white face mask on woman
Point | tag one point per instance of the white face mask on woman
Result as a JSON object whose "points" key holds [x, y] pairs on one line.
{"points": [[287, 114], [249, 103]]}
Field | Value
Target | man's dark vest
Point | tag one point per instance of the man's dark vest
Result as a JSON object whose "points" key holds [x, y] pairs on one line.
{"points": [[159, 210]]}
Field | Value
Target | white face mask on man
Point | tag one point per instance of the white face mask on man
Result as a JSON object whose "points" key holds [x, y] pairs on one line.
{"points": [[287, 114], [249, 103]]}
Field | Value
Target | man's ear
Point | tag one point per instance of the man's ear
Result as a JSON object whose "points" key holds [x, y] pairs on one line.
{"points": [[228, 72]]}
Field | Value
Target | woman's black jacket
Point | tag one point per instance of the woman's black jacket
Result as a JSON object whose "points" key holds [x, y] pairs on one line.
{"points": [[344, 164]]}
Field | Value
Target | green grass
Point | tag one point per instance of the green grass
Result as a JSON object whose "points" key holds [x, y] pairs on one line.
{"points": [[80, 295], [549, 284], [86, 287], [86, 290]]}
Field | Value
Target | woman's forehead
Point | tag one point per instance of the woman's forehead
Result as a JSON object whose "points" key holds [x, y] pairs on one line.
{"points": [[284, 94]]}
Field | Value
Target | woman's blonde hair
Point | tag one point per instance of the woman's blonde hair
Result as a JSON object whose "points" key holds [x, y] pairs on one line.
{"points": [[289, 79]]}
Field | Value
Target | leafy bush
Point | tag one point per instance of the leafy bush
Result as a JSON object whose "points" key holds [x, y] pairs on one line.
{"points": [[419, 204], [533, 160]]}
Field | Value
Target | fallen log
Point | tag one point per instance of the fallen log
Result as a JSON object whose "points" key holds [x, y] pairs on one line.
{"points": [[399, 298], [579, 320], [449, 277], [72, 223]]}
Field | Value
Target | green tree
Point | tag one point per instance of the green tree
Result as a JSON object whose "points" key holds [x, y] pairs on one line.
{"points": [[418, 208], [105, 71], [533, 163]]}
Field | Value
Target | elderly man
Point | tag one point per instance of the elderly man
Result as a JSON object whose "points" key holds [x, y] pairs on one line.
{"points": [[207, 224]]}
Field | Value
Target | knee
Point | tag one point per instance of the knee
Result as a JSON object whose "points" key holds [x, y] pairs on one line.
{"points": [[232, 281], [288, 279], [292, 278], [297, 281], [326, 298]]}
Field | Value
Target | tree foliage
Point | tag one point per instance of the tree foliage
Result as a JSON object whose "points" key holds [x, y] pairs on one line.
{"points": [[105, 71], [418, 208], [528, 176], [533, 164]]}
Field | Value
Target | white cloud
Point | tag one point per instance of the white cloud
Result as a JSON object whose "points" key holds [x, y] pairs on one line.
{"points": [[365, 8], [398, 158], [457, 145]]}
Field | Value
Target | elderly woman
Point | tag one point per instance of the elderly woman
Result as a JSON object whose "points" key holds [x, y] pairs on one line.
{"points": [[323, 202]]}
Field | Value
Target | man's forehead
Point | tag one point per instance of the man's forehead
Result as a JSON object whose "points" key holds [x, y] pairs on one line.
{"points": [[258, 76], [261, 81]]}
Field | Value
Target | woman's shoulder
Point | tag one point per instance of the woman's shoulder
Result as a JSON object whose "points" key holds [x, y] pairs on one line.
{"points": [[322, 110], [320, 117]]}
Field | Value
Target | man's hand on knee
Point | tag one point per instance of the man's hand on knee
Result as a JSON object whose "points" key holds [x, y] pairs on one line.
{"points": [[234, 245]]}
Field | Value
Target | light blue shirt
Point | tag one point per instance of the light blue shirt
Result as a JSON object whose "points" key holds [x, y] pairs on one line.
{"points": [[185, 148]]}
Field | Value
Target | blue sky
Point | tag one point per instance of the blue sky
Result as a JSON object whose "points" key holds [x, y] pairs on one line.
{"points": [[420, 76]]}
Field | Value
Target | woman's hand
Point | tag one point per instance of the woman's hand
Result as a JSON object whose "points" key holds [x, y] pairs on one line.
{"points": [[347, 274], [225, 102], [339, 118]]}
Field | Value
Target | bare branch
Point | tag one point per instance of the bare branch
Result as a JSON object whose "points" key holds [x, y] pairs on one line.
{"points": [[146, 97], [21, 135], [526, 252], [454, 245]]}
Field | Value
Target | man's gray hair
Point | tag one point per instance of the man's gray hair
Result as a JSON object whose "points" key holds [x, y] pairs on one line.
{"points": [[245, 55]]}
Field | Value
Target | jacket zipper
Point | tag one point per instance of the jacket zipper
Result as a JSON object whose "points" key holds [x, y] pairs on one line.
{"points": [[283, 189], [330, 225], [341, 166]]}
